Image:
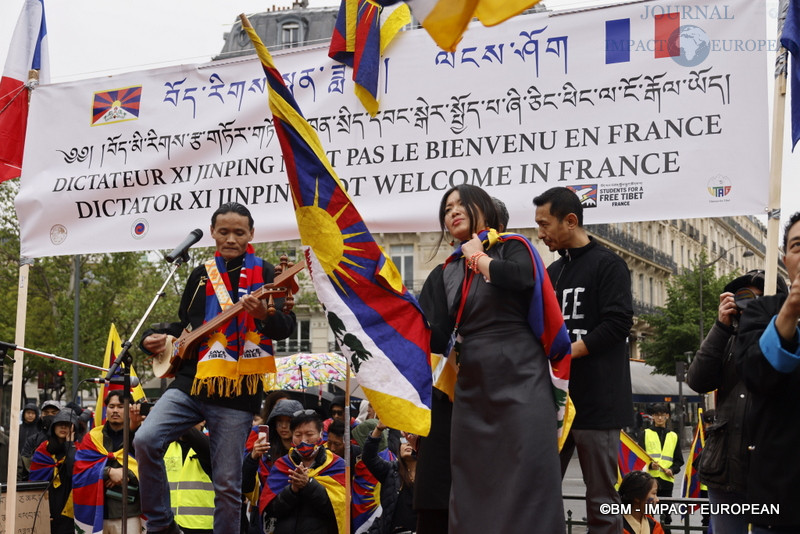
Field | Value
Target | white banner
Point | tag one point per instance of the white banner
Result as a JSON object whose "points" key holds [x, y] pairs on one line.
{"points": [[647, 115]]}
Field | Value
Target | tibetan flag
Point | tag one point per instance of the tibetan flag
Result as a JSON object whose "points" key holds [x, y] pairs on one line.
{"points": [[113, 348], [691, 478], [28, 51], [88, 490], [446, 20], [331, 475], [376, 321], [44, 465], [366, 504], [790, 39], [362, 32], [631, 457]]}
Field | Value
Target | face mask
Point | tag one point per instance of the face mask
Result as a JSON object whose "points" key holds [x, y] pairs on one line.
{"points": [[306, 450], [47, 420]]}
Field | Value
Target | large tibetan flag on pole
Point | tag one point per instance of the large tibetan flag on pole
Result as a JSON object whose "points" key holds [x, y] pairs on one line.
{"points": [[362, 32], [446, 20], [113, 348], [27, 52], [691, 478], [377, 322]]}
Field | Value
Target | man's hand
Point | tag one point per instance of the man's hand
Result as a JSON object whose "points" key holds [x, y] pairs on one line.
{"points": [[135, 416], [155, 343], [727, 308], [579, 349], [786, 321], [298, 478], [114, 477], [254, 306]]}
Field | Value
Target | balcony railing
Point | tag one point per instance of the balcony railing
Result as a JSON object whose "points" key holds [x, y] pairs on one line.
{"points": [[630, 244]]}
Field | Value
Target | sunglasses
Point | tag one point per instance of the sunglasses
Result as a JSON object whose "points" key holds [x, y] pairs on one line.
{"points": [[298, 413]]}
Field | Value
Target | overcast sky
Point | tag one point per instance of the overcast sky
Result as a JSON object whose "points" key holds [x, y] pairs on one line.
{"points": [[92, 38]]}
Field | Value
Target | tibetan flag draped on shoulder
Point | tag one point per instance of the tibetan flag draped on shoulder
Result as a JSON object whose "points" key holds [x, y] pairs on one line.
{"points": [[113, 348], [330, 474], [790, 40], [44, 466], [28, 51], [377, 322], [446, 20], [631, 457], [88, 490], [546, 322], [363, 31], [691, 478]]}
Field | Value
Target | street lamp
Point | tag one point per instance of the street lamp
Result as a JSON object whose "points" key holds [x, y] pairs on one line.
{"points": [[703, 267]]}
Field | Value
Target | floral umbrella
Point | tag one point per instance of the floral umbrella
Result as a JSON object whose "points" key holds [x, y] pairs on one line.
{"points": [[302, 370]]}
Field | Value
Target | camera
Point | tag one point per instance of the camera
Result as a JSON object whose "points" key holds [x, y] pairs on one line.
{"points": [[144, 407]]}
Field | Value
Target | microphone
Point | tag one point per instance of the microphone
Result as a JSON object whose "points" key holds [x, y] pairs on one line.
{"points": [[114, 380], [193, 237]]}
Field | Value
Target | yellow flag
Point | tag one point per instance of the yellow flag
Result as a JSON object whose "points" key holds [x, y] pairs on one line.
{"points": [[113, 348]]}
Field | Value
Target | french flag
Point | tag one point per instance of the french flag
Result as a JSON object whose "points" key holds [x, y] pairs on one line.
{"points": [[666, 38], [28, 51]]}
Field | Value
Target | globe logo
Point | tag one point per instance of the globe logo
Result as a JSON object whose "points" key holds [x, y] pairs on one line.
{"points": [[693, 43]]}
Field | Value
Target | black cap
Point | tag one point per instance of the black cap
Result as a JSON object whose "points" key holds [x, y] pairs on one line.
{"points": [[755, 278]]}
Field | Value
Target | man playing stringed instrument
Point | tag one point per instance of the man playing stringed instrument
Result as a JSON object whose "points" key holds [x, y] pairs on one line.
{"points": [[224, 383]]}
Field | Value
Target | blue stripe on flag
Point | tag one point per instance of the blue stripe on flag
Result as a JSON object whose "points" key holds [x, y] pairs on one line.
{"points": [[618, 41]]}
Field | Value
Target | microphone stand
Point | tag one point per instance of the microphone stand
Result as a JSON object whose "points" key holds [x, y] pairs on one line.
{"points": [[124, 357]]}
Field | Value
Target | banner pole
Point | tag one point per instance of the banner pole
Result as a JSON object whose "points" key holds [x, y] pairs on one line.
{"points": [[16, 395], [776, 160]]}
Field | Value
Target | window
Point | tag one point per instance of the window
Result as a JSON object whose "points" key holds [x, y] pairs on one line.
{"points": [[299, 342], [290, 34], [403, 258]]}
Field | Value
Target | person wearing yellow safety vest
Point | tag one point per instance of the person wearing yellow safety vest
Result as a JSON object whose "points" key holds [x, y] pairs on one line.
{"points": [[663, 447], [188, 463]]}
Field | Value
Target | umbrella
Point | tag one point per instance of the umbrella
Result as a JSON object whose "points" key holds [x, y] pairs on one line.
{"points": [[302, 370]]}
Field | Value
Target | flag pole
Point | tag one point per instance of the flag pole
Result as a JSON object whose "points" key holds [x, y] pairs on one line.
{"points": [[347, 481], [16, 394], [776, 160]]}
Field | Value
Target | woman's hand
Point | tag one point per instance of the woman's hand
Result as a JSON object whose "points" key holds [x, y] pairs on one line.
{"points": [[260, 447], [472, 246]]}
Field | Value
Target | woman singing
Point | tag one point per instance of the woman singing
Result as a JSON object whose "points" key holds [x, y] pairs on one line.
{"points": [[495, 291]]}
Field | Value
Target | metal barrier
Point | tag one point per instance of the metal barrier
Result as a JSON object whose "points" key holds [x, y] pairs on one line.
{"points": [[678, 503]]}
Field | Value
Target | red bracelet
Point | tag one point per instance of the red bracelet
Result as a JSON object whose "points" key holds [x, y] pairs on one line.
{"points": [[473, 261]]}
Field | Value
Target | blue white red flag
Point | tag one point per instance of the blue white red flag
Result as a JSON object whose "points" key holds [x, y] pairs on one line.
{"points": [[28, 51], [377, 322]]}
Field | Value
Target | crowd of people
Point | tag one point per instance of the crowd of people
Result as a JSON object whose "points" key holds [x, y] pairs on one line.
{"points": [[215, 455]]}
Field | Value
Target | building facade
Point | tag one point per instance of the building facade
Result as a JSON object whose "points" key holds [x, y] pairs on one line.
{"points": [[654, 251]]}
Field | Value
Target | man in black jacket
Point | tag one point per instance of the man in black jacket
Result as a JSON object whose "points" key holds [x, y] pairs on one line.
{"points": [[768, 359], [594, 288]]}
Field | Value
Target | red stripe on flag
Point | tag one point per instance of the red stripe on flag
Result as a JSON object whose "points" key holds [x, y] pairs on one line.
{"points": [[667, 35]]}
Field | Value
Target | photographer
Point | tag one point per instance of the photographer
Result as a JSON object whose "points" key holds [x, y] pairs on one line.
{"points": [[723, 463]]}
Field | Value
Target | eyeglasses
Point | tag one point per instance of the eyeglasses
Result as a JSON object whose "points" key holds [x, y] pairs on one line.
{"points": [[298, 413], [337, 412]]}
